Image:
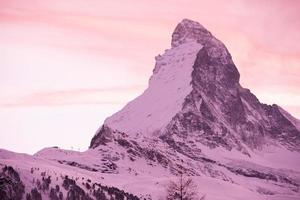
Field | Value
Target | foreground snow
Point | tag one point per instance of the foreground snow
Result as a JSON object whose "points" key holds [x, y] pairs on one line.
{"points": [[144, 178]]}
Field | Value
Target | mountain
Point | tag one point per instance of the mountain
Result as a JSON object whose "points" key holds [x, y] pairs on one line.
{"points": [[195, 118]]}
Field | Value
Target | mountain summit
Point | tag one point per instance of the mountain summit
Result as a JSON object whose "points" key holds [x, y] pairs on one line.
{"points": [[195, 92], [188, 30], [194, 118]]}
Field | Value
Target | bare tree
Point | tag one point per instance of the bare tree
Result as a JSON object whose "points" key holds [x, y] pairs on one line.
{"points": [[183, 189]]}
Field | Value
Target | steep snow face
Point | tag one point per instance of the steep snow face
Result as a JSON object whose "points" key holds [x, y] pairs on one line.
{"points": [[168, 87]]}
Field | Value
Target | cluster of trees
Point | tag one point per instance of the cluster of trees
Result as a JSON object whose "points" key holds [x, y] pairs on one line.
{"points": [[183, 188], [96, 191], [11, 186]]}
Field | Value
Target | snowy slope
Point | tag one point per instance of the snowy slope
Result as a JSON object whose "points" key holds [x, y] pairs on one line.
{"points": [[139, 178], [168, 87]]}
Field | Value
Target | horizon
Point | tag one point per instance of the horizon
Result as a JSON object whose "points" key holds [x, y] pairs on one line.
{"points": [[65, 67]]}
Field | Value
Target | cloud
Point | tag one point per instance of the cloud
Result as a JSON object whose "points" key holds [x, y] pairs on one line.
{"points": [[116, 95]]}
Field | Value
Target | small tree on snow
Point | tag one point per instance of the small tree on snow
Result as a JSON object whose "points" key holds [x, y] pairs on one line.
{"points": [[183, 189]]}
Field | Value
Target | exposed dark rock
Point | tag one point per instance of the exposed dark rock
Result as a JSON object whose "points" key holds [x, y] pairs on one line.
{"points": [[156, 156], [281, 128], [110, 167], [264, 191], [124, 143], [75, 164], [253, 173], [103, 136], [266, 175]]}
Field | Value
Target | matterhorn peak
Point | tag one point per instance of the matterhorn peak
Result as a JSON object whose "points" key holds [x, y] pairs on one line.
{"points": [[195, 90], [189, 30]]}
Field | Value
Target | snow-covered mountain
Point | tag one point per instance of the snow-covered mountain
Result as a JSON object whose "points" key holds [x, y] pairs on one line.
{"points": [[194, 116]]}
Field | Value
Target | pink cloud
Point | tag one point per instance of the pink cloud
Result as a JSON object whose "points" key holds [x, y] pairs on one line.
{"points": [[112, 95]]}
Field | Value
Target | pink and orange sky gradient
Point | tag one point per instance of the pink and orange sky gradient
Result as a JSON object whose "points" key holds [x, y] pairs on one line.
{"points": [[65, 65]]}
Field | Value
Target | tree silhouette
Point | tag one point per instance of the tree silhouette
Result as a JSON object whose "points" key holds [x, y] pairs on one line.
{"points": [[184, 188]]}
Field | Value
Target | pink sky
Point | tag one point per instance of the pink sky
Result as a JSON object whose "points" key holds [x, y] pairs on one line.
{"points": [[67, 65]]}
